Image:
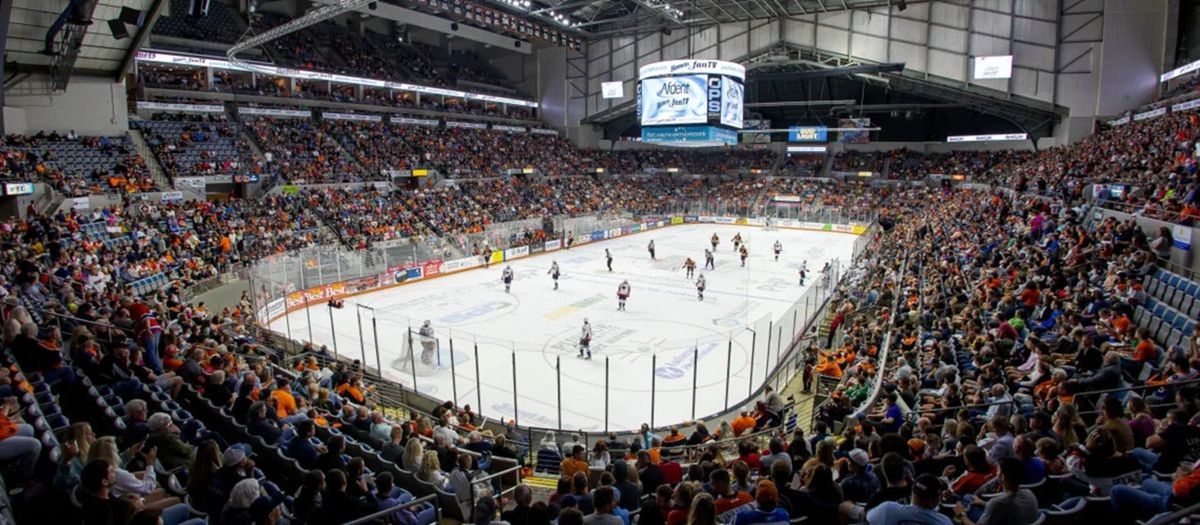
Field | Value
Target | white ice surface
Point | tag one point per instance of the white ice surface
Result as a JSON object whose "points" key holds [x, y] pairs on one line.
{"points": [[664, 324]]}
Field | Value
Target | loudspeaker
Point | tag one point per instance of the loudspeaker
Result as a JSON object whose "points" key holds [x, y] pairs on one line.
{"points": [[132, 16], [373, 6], [516, 43], [117, 28], [198, 7], [454, 26]]}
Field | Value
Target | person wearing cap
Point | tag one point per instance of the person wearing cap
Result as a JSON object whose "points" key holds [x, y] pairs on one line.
{"points": [[926, 491], [766, 497], [862, 483], [235, 467], [164, 435]]}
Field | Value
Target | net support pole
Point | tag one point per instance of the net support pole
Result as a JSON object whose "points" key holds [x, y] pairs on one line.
{"points": [[362, 342], [558, 386], [753, 350], [287, 320], [453, 374], [767, 361], [516, 411], [728, 363], [333, 333], [695, 376], [478, 389], [375, 335], [653, 382], [605, 394], [412, 359]]}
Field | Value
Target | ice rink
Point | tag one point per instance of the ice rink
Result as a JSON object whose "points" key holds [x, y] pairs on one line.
{"points": [[666, 339]]}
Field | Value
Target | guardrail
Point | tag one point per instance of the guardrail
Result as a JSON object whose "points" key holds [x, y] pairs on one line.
{"points": [[386, 513]]}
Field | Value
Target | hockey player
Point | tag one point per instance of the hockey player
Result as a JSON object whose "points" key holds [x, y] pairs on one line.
{"points": [[507, 277], [585, 340], [714, 241], [737, 241], [803, 271], [778, 250], [700, 284], [428, 343], [608, 257], [690, 266], [708, 261], [744, 254], [554, 273], [622, 295], [651, 248], [487, 257]]}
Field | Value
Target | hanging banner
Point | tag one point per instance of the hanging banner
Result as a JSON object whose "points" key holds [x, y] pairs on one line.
{"points": [[358, 117], [412, 121], [274, 112]]}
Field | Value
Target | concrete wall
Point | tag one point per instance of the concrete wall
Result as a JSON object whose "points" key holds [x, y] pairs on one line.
{"points": [[90, 106], [560, 91], [1131, 56], [1181, 258]]}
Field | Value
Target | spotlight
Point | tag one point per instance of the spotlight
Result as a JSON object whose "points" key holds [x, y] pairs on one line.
{"points": [[902, 5]]}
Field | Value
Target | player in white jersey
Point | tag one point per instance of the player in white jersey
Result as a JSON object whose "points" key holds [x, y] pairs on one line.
{"points": [[778, 249], [507, 277], [428, 343], [622, 295], [585, 340], [700, 285], [554, 273], [709, 263]]}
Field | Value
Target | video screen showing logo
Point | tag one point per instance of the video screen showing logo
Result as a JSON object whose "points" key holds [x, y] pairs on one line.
{"points": [[674, 100]]}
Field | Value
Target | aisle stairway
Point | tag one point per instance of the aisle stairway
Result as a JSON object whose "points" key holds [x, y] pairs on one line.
{"points": [[156, 171]]}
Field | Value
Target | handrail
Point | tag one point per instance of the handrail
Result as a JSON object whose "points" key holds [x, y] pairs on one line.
{"points": [[881, 367], [388, 511]]}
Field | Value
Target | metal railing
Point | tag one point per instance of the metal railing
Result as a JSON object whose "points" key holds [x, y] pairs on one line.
{"points": [[384, 514]]}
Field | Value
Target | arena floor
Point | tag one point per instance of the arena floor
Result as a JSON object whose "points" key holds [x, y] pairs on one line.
{"points": [[537, 325]]}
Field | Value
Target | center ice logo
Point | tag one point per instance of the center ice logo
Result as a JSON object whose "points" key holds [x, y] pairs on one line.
{"points": [[473, 312], [682, 362]]}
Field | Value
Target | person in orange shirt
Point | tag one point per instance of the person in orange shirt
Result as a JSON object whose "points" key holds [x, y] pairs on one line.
{"points": [[16, 438], [1145, 351], [743, 423], [285, 402], [576, 462], [1030, 295]]}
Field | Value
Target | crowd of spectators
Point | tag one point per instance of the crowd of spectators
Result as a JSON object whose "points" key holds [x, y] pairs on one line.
{"points": [[75, 165], [192, 146]]}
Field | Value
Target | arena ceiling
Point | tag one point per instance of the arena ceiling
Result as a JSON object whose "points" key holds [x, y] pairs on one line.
{"points": [[98, 52], [602, 17]]}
